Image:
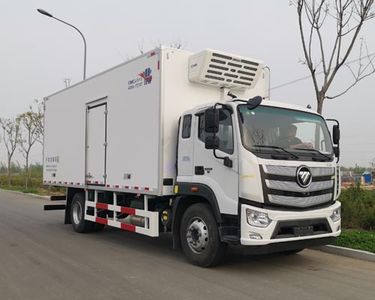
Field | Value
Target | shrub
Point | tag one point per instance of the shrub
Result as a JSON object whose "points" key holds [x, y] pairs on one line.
{"points": [[358, 208]]}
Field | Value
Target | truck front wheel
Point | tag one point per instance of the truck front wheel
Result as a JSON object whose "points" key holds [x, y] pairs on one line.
{"points": [[199, 236]]}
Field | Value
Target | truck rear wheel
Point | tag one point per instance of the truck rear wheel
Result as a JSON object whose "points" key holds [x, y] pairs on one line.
{"points": [[77, 215], [199, 236]]}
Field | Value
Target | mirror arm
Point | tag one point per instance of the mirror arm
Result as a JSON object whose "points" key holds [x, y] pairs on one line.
{"points": [[338, 145], [227, 107], [334, 120], [218, 157], [227, 161], [337, 122]]}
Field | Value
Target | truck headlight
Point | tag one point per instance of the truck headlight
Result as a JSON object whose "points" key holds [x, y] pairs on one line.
{"points": [[257, 218], [336, 215]]}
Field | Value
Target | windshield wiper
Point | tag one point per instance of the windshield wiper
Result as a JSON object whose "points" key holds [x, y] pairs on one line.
{"points": [[314, 150], [276, 147]]}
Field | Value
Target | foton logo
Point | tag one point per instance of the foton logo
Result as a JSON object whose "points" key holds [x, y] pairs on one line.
{"points": [[144, 78], [304, 176]]}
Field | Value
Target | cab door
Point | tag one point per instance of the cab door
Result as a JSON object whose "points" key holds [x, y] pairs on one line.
{"points": [[210, 170]]}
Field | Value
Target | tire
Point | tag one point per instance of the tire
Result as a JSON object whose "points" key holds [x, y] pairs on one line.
{"points": [[77, 215], [199, 236]]}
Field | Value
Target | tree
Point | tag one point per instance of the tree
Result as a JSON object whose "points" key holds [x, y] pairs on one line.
{"points": [[29, 134], [11, 137], [329, 30], [38, 119]]}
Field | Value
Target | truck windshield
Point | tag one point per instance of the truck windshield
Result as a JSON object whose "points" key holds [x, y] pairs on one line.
{"points": [[272, 132]]}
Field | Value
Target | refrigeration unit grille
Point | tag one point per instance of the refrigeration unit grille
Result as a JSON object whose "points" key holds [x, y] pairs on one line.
{"points": [[224, 70]]}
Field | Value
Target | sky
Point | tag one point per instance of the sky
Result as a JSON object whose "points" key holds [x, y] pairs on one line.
{"points": [[37, 53]]}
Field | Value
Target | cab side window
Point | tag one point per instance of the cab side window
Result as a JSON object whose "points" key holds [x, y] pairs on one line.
{"points": [[186, 127], [225, 133]]}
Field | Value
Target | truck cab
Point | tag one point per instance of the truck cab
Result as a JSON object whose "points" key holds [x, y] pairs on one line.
{"points": [[269, 168]]}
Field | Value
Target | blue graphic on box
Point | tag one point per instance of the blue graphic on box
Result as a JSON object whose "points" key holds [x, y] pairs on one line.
{"points": [[146, 75], [144, 78]]}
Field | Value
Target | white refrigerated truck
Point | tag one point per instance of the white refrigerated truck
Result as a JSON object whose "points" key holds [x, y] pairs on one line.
{"points": [[178, 142]]}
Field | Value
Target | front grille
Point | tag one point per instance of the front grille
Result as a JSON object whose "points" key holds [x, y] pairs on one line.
{"points": [[294, 187], [300, 201], [297, 228], [281, 188], [291, 171]]}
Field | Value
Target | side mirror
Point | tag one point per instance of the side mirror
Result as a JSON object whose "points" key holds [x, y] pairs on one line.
{"points": [[212, 142], [253, 103], [336, 134], [211, 121]]}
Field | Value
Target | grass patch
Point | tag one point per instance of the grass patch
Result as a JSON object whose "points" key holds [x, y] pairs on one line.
{"points": [[357, 239], [20, 189], [42, 191], [35, 185], [358, 208]]}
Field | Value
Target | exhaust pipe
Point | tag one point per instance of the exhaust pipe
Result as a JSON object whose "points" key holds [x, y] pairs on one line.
{"points": [[135, 220]]}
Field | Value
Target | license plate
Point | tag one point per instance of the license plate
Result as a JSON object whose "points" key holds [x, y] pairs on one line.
{"points": [[303, 230]]}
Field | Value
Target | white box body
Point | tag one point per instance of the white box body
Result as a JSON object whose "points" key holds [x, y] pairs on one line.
{"points": [[118, 129]]}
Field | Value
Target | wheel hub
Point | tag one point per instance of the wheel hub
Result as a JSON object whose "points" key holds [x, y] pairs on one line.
{"points": [[77, 212], [197, 235]]}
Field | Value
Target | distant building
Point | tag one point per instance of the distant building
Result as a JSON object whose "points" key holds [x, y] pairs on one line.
{"points": [[366, 178]]}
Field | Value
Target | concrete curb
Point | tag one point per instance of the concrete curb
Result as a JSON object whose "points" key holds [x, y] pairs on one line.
{"points": [[348, 252], [27, 194]]}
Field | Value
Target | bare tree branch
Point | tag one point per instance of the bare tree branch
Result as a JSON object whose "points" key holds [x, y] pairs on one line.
{"points": [[349, 17], [300, 4], [38, 118], [29, 135], [350, 86], [351, 71], [11, 135]]}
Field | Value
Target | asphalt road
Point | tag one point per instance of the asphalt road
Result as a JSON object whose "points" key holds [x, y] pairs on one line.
{"points": [[40, 258]]}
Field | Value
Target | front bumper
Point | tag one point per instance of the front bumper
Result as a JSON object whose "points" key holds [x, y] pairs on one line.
{"points": [[256, 236]]}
